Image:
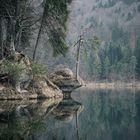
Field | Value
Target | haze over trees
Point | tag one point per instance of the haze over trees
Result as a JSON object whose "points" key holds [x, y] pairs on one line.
{"points": [[116, 23], [43, 29]]}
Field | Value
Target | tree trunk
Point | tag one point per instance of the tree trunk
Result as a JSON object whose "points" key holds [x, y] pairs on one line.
{"points": [[78, 58], [1, 38], [17, 32], [39, 33], [77, 126], [12, 38], [18, 39], [38, 39], [8, 33]]}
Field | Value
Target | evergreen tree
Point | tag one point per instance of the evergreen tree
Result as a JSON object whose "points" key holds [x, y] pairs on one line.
{"points": [[137, 54], [106, 66], [133, 63]]}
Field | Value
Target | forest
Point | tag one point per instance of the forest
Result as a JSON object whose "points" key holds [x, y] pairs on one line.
{"points": [[41, 30], [116, 24]]}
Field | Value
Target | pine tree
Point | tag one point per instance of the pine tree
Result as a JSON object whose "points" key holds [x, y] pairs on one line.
{"points": [[106, 68], [133, 63]]}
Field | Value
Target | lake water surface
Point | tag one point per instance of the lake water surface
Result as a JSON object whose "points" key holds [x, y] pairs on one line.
{"points": [[85, 115]]}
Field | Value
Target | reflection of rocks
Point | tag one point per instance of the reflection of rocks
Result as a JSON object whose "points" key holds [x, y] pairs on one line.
{"points": [[26, 119], [34, 107], [65, 80], [23, 118], [66, 109]]}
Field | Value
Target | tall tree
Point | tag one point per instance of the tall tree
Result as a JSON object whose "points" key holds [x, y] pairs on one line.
{"points": [[106, 66], [53, 20], [133, 63], [1, 38]]}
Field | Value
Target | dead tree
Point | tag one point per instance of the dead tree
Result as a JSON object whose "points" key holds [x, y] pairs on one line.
{"points": [[78, 43]]}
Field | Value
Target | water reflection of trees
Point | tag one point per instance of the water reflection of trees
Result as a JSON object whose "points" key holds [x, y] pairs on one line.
{"points": [[110, 115], [20, 120], [107, 115], [65, 123], [25, 120]]}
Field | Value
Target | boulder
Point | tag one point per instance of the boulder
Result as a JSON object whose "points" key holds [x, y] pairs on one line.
{"points": [[65, 80]]}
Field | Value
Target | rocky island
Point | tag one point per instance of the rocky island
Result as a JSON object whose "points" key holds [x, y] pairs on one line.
{"points": [[21, 79]]}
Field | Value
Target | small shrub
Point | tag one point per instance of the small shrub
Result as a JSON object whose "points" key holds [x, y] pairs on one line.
{"points": [[38, 69], [13, 69]]}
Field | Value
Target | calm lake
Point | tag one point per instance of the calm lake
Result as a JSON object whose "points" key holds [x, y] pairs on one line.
{"points": [[86, 114]]}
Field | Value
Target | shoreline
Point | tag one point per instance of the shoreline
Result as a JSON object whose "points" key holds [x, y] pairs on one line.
{"points": [[113, 85]]}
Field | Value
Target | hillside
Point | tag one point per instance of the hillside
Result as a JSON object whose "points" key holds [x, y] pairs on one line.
{"points": [[117, 24]]}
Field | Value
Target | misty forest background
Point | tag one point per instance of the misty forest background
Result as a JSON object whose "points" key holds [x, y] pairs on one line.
{"points": [[46, 30]]}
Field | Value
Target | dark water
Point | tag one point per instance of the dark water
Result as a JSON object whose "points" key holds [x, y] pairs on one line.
{"points": [[85, 115]]}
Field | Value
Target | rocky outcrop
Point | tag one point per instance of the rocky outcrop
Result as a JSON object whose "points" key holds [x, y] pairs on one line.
{"points": [[44, 88], [65, 80], [18, 81], [39, 88], [16, 70]]}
